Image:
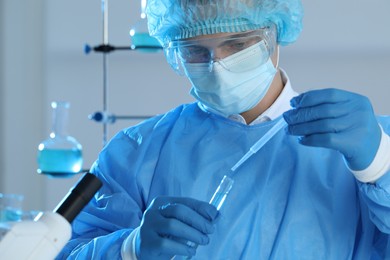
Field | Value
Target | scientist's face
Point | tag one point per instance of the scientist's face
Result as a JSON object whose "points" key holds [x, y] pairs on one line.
{"points": [[229, 72]]}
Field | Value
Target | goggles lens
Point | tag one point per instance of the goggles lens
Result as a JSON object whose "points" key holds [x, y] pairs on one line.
{"points": [[199, 52], [221, 49]]}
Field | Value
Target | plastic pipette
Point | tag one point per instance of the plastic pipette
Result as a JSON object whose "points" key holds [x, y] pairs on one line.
{"points": [[261, 142]]}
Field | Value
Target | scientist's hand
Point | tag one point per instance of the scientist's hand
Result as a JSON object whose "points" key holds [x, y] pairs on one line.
{"points": [[172, 226], [339, 120]]}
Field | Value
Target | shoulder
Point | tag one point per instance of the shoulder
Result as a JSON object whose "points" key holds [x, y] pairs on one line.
{"points": [[158, 125]]}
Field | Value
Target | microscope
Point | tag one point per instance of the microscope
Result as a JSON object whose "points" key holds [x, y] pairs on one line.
{"points": [[45, 236]]}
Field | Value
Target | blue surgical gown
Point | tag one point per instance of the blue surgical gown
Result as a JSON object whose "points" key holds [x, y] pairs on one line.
{"points": [[288, 201]]}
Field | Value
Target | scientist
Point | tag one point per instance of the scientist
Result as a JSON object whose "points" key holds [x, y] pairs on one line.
{"points": [[320, 189]]}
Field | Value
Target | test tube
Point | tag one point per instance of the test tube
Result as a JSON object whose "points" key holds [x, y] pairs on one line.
{"points": [[217, 200], [222, 191]]}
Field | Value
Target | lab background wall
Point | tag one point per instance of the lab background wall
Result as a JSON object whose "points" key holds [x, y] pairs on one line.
{"points": [[344, 44]]}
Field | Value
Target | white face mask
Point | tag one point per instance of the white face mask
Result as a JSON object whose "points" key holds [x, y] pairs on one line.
{"points": [[232, 92]]}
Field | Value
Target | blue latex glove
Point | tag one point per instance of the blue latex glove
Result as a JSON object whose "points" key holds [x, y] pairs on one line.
{"points": [[172, 226], [339, 120]]}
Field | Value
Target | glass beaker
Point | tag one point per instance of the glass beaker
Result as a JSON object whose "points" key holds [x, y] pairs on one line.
{"points": [[61, 154], [10, 207]]}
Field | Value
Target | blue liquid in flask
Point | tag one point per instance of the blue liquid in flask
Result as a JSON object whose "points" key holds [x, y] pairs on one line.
{"points": [[60, 162]]}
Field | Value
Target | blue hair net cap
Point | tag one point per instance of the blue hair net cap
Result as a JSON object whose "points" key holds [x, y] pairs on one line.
{"points": [[180, 19]]}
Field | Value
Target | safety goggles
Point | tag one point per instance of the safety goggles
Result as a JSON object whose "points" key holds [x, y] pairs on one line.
{"points": [[228, 50]]}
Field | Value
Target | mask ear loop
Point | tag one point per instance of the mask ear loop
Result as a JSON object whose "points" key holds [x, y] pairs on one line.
{"points": [[211, 66], [277, 60]]}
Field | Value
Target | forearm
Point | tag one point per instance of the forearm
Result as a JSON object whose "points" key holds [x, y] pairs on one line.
{"points": [[377, 198], [100, 247], [376, 192]]}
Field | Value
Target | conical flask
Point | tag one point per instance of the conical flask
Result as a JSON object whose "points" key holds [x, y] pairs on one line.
{"points": [[139, 35], [60, 155]]}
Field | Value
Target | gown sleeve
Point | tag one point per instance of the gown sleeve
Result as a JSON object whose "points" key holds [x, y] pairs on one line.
{"points": [[377, 195], [116, 209]]}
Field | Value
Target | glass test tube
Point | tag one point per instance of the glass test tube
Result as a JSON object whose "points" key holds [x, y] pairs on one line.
{"points": [[217, 200], [222, 191]]}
